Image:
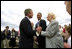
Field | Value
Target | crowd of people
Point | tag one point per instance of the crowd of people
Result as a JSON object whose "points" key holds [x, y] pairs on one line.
{"points": [[9, 38], [52, 35], [66, 34]]}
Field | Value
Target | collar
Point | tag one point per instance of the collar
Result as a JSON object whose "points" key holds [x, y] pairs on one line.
{"points": [[52, 21], [39, 20], [28, 17]]}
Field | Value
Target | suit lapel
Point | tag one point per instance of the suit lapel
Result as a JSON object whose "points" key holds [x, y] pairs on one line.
{"points": [[28, 21]]}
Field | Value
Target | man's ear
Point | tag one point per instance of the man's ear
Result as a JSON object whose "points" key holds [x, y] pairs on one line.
{"points": [[27, 14]]}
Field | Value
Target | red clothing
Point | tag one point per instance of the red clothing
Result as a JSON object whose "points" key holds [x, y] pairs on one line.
{"points": [[64, 30]]}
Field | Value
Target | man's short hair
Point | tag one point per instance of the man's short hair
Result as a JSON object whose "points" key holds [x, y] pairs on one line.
{"points": [[40, 13], [7, 26], [27, 11]]}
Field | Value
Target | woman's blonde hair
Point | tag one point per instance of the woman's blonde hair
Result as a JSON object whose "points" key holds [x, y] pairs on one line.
{"points": [[52, 14]]}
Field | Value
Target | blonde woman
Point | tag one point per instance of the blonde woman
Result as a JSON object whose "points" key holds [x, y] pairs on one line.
{"points": [[53, 37]]}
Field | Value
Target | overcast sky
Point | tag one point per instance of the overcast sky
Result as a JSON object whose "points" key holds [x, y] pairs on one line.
{"points": [[12, 12]]}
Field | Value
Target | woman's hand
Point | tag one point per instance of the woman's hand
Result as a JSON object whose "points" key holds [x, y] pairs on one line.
{"points": [[39, 29]]}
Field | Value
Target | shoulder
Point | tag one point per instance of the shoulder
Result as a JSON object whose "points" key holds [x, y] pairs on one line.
{"points": [[3, 31], [23, 20], [55, 22], [42, 20]]}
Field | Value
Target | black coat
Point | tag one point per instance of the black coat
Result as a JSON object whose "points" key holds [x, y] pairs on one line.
{"points": [[41, 39], [3, 36], [26, 34]]}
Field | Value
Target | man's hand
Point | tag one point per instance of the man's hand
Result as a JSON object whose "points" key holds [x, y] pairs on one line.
{"points": [[32, 24], [35, 38]]}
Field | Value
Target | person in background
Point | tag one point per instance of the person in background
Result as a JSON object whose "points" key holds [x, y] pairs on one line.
{"points": [[2, 40], [70, 25], [68, 37], [13, 38], [6, 37], [64, 28], [61, 30], [53, 37], [68, 6], [64, 33], [41, 23]]}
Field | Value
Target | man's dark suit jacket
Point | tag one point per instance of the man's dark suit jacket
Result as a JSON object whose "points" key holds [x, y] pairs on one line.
{"points": [[26, 34], [41, 39]]}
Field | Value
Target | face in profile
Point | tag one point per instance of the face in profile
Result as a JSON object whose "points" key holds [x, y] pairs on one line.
{"points": [[30, 14], [48, 17], [68, 6], [39, 16]]}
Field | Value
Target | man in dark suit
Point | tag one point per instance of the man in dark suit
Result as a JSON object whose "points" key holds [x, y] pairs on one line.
{"points": [[42, 23], [26, 31]]}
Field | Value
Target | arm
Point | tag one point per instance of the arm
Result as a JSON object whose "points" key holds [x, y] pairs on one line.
{"points": [[51, 31], [66, 45], [3, 35]]}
